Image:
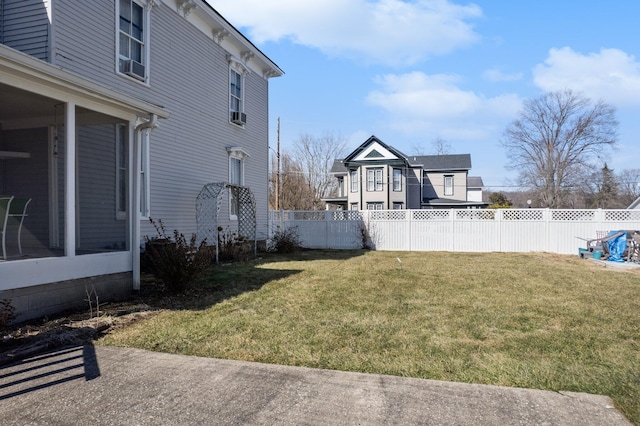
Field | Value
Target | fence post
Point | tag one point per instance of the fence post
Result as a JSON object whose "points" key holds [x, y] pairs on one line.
{"points": [[546, 215], [498, 215], [408, 227], [452, 216]]}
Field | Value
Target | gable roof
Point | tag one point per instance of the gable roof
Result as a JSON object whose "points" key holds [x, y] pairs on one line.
{"points": [[367, 151]]}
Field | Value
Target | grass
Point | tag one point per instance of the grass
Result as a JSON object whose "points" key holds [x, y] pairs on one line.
{"points": [[526, 320]]}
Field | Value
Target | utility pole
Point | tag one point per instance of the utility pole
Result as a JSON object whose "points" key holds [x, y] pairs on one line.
{"points": [[278, 171]]}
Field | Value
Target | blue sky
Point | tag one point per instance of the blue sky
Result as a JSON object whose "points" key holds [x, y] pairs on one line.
{"points": [[416, 70]]}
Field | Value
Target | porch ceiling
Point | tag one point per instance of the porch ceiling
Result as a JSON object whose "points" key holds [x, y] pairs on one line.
{"points": [[23, 109]]}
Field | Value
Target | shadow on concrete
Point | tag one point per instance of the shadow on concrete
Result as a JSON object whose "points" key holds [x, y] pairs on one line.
{"points": [[49, 369]]}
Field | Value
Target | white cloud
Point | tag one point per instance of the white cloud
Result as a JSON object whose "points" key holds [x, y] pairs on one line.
{"points": [[417, 102], [393, 32], [495, 76], [611, 74]]}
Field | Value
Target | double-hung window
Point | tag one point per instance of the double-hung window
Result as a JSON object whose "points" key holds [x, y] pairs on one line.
{"points": [[132, 39], [448, 185], [353, 178], [374, 179], [237, 73], [397, 179], [237, 158]]}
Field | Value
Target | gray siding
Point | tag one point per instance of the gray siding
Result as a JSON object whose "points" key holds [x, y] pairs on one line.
{"points": [[189, 77], [99, 229], [24, 26]]}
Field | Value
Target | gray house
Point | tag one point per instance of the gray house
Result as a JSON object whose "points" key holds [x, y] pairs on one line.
{"points": [[110, 114], [377, 176]]}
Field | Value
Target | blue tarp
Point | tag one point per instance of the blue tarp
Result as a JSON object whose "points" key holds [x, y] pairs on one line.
{"points": [[617, 246]]}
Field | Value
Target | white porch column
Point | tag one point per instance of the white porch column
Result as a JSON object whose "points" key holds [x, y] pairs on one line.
{"points": [[70, 180]]}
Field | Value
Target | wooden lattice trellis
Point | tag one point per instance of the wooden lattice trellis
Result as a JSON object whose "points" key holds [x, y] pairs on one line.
{"points": [[208, 205]]}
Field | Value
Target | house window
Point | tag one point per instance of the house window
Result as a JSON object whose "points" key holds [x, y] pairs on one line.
{"points": [[237, 158], [448, 185], [353, 177], [235, 91], [132, 36], [145, 193], [237, 73], [374, 206], [121, 172], [397, 205], [397, 179], [374, 179], [341, 187], [354, 206]]}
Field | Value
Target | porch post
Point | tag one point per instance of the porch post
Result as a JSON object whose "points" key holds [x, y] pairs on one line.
{"points": [[70, 180]]}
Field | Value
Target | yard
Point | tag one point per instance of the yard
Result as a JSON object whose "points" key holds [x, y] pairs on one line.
{"points": [[526, 320]]}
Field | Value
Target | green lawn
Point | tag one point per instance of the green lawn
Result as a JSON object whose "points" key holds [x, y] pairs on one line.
{"points": [[527, 320]]}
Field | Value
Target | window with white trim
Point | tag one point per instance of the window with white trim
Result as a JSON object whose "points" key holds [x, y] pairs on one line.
{"points": [[374, 206], [237, 158], [374, 179], [353, 178], [133, 33], [354, 206], [145, 192], [448, 185], [397, 179], [121, 172], [398, 205], [237, 73]]}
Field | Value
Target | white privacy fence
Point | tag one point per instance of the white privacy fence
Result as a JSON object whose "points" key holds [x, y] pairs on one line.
{"points": [[501, 230]]}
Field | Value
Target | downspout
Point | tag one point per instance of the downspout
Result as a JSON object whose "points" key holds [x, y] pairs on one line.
{"points": [[152, 123]]}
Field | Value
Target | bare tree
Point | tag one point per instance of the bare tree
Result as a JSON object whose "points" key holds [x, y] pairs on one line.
{"points": [[295, 193], [555, 137], [440, 146], [628, 186], [315, 156]]}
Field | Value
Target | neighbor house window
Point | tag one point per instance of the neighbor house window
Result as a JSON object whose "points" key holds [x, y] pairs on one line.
{"points": [[374, 179], [397, 179], [397, 205], [448, 185], [132, 39], [353, 177], [237, 158], [121, 171], [354, 206], [374, 206]]}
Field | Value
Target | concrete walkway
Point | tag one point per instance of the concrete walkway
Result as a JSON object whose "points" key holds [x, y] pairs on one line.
{"points": [[112, 386]]}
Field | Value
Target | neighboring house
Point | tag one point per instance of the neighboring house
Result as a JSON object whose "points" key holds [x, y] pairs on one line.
{"points": [[113, 113], [635, 205], [377, 176]]}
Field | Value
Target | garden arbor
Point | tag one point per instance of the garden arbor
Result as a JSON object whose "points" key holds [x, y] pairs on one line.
{"points": [[208, 205]]}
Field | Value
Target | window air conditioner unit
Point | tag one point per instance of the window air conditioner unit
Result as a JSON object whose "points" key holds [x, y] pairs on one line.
{"points": [[238, 117], [134, 69]]}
